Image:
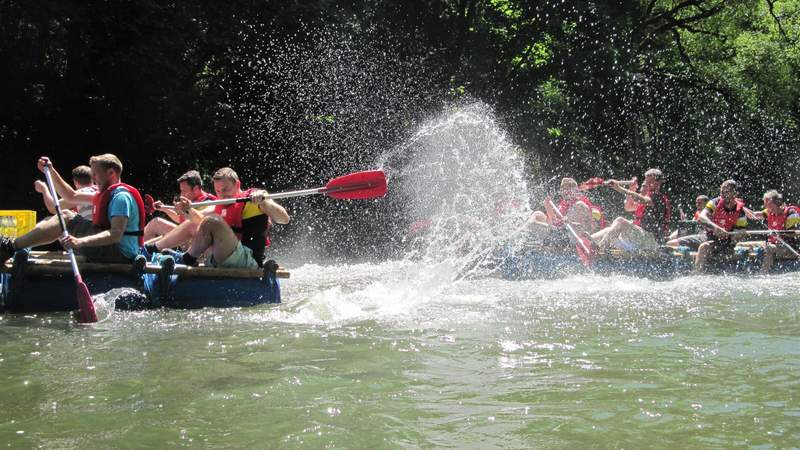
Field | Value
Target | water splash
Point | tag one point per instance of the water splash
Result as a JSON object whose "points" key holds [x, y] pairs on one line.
{"points": [[459, 182], [318, 106]]}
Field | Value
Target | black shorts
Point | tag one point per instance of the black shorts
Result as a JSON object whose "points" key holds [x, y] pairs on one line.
{"points": [[79, 226]]}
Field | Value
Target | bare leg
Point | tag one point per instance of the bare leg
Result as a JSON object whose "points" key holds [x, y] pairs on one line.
{"points": [[701, 257], [178, 236], [158, 227], [606, 236], [769, 258], [214, 233], [583, 216], [45, 232]]}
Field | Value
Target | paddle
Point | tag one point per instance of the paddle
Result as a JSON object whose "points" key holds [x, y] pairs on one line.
{"points": [[751, 214], [594, 182], [355, 186], [581, 247], [762, 232], [84, 298]]}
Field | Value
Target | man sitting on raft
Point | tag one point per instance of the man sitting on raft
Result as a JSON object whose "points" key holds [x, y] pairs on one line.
{"points": [[114, 235], [82, 180], [725, 217], [652, 212], [575, 207], [190, 186], [686, 235], [236, 234], [779, 217]]}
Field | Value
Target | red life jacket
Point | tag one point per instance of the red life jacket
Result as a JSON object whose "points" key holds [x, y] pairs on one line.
{"points": [[638, 215], [727, 219], [564, 206], [778, 221], [100, 213], [232, 214], [200, 198], [696, 216]]}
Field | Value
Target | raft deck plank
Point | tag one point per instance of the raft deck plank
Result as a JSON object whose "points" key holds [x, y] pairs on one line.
{"points": [[41, 266]]}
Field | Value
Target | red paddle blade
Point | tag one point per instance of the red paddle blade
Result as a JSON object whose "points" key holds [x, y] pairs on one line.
{"points": [[149, 208], [586, 257], [358, 185], [85, 304]]}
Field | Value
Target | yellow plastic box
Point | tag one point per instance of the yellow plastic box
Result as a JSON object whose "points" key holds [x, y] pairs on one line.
{"points": [[16, 223]]}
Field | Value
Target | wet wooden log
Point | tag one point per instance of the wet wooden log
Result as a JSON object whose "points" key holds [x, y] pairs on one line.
{"points": [[44, 263]]}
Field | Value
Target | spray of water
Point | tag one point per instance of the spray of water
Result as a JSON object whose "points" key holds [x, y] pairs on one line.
{"points": [[460, 183], [318, 106]]}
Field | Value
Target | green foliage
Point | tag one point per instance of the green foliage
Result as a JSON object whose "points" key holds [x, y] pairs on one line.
{"points": [[609, 86]]}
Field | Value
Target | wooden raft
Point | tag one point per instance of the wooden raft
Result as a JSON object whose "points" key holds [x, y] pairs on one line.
{"points": [[56, 263]]}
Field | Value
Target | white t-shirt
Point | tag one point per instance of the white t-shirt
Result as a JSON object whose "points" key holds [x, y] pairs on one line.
{"points": [[86, 210]]}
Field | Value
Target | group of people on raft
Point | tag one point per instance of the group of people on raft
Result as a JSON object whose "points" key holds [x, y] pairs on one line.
{"points": [[718, 226], [106, 219]]}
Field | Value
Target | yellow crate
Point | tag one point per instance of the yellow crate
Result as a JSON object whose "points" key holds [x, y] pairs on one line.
{"points": [[16, 223]]}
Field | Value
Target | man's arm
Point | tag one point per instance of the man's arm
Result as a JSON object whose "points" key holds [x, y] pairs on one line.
{"points": [[106, 237], [172, 214], [63, 188], [705, 220], [631, 195], [41, 188], [754, 215], [268, 206]]}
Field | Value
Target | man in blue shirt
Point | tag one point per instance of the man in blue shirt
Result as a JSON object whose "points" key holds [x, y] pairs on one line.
{"points": [[114, 233]]}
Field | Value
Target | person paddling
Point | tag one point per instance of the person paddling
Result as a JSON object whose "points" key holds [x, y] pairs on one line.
{"points": [[236, 234], [779, 217], [723, 215], [82, 180], [190, 185], [652, 212], [114, 235]]}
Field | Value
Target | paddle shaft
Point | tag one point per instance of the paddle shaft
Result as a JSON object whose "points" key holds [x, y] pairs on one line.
{"points": [[568, 226], [82, 296], [279, 195], [760, 232], [230, 201], [57, 203], [775, 234]]}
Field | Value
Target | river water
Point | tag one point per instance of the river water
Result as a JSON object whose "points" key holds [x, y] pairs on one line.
{"points": [[406, 353], [396, 355]]}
